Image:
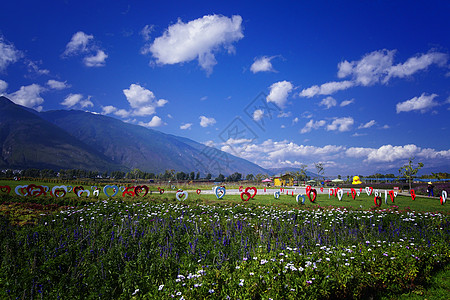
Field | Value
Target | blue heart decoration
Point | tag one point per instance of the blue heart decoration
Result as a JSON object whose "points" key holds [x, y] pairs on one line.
{"points": [[218, 190], [276, 195], [300, 196], [114, 187], [69, 188]]}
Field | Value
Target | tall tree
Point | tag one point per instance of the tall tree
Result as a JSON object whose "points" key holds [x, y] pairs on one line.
{"points": [[409, 171], [320, 169]]}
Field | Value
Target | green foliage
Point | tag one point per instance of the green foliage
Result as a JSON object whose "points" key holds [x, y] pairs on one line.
{"points": [[409, 171]]}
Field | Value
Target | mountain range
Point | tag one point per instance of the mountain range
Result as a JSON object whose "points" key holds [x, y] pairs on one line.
{"points": [[73, 139]]}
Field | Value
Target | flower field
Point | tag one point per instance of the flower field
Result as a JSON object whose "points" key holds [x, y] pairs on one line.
{"points": [[147, 249]]}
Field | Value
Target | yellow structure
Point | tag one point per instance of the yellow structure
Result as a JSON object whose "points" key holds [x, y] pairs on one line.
{"points": [[356, 180], [283, 180]]}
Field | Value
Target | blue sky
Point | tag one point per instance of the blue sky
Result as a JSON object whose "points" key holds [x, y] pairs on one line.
{"points": [[360, 86]]}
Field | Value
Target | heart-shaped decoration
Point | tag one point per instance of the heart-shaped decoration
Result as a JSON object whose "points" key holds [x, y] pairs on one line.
{"points": [[443, 196], [77, 188], [360, 190], [392, 195], [276, 194], [321, 189], [96, 193], [358, 193], [302, 197], [5, 189], [245, 195], [369, 190], [241, 188], [173, 187], [377, 201], [21, 190], [247, 189], [220, 191], [442, 200], [348, 194], [59, 191], [46, 188], [198, 191], [413, 194], [314, 195], [69, 188], [35, 190], [88, 192], [129, 190], [161, 191], [308, 190], [93, 187], [115, 190], [122, 189], [179, 195], [377, 194], [138, 189], [330, 193], [353, 193], [340, 193]]}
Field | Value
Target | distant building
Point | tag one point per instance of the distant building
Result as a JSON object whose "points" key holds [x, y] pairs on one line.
{"points": [[283, 180]]}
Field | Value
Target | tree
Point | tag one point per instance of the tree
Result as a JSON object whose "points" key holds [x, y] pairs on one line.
{"points": [[320, 169], [220, 178], [234, 177], [303, 171], [408, 171], [250, 177], [192, 175], [197, 176], [208, 176]]}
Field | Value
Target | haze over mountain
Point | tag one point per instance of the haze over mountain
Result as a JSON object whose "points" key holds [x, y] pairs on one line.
{"points": [[76, 139]]}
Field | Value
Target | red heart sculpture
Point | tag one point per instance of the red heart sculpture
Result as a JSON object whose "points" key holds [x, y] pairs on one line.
{"points": [[59, 193], [348, 194], [377, 201], [161, 191], [241, 188], [442, 200], [371, 190], [199, 191], [308, 190], [246, 194], [129, 191], [35, 190], [335, 192], [413, 194], [321, 189], [314, 192], [253, 189], [139, 189], [360, 190], [24, 191], [392, 195], [353, 193], [5, 189], [77, 189]]}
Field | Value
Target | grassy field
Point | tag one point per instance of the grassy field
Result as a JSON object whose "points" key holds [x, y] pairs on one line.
{"points": [[208, 248]]}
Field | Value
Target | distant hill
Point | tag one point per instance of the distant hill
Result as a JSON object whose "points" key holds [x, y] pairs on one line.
{"points": [[76, 139], [28, 141], [278, 171]]}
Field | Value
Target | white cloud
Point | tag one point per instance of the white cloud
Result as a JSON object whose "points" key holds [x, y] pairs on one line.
{"points": [[73, 99], [97, 60], [86, 103], [422, 103], [145, 32], [358, 152], [258, 114], [295, 120], [262, 64], [205, 121], [28, 96], [186, 126], [367, 125], [328, 102], [312, 125], [155, 122], [326, 88], [347, 102], [8, 54], [389, 153], [57, 85], [204, 98], [109, 109], [197, 39], [142, 100], [123, 113], [279, 91], [33, 67], [209, 143], [341, 124], [3, 86], [78, 43]]}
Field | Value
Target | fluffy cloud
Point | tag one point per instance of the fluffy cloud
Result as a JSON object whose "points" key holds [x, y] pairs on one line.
{"points": [[341, 124], [326, 88], [73, 99], [145, 32], [422, 104], [97, 60], [258, 114], [262, 64], [347, 102], [279, 91], [186, 126], [28, 96], [375, 67], [328, 102], [8, 54], [197, 39], [368, 124], [3, 86], [205, 121], [78, 43], [57, 85], [155, 122], [312, 125], [109, 109], [33, 67], [142, 101]]}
